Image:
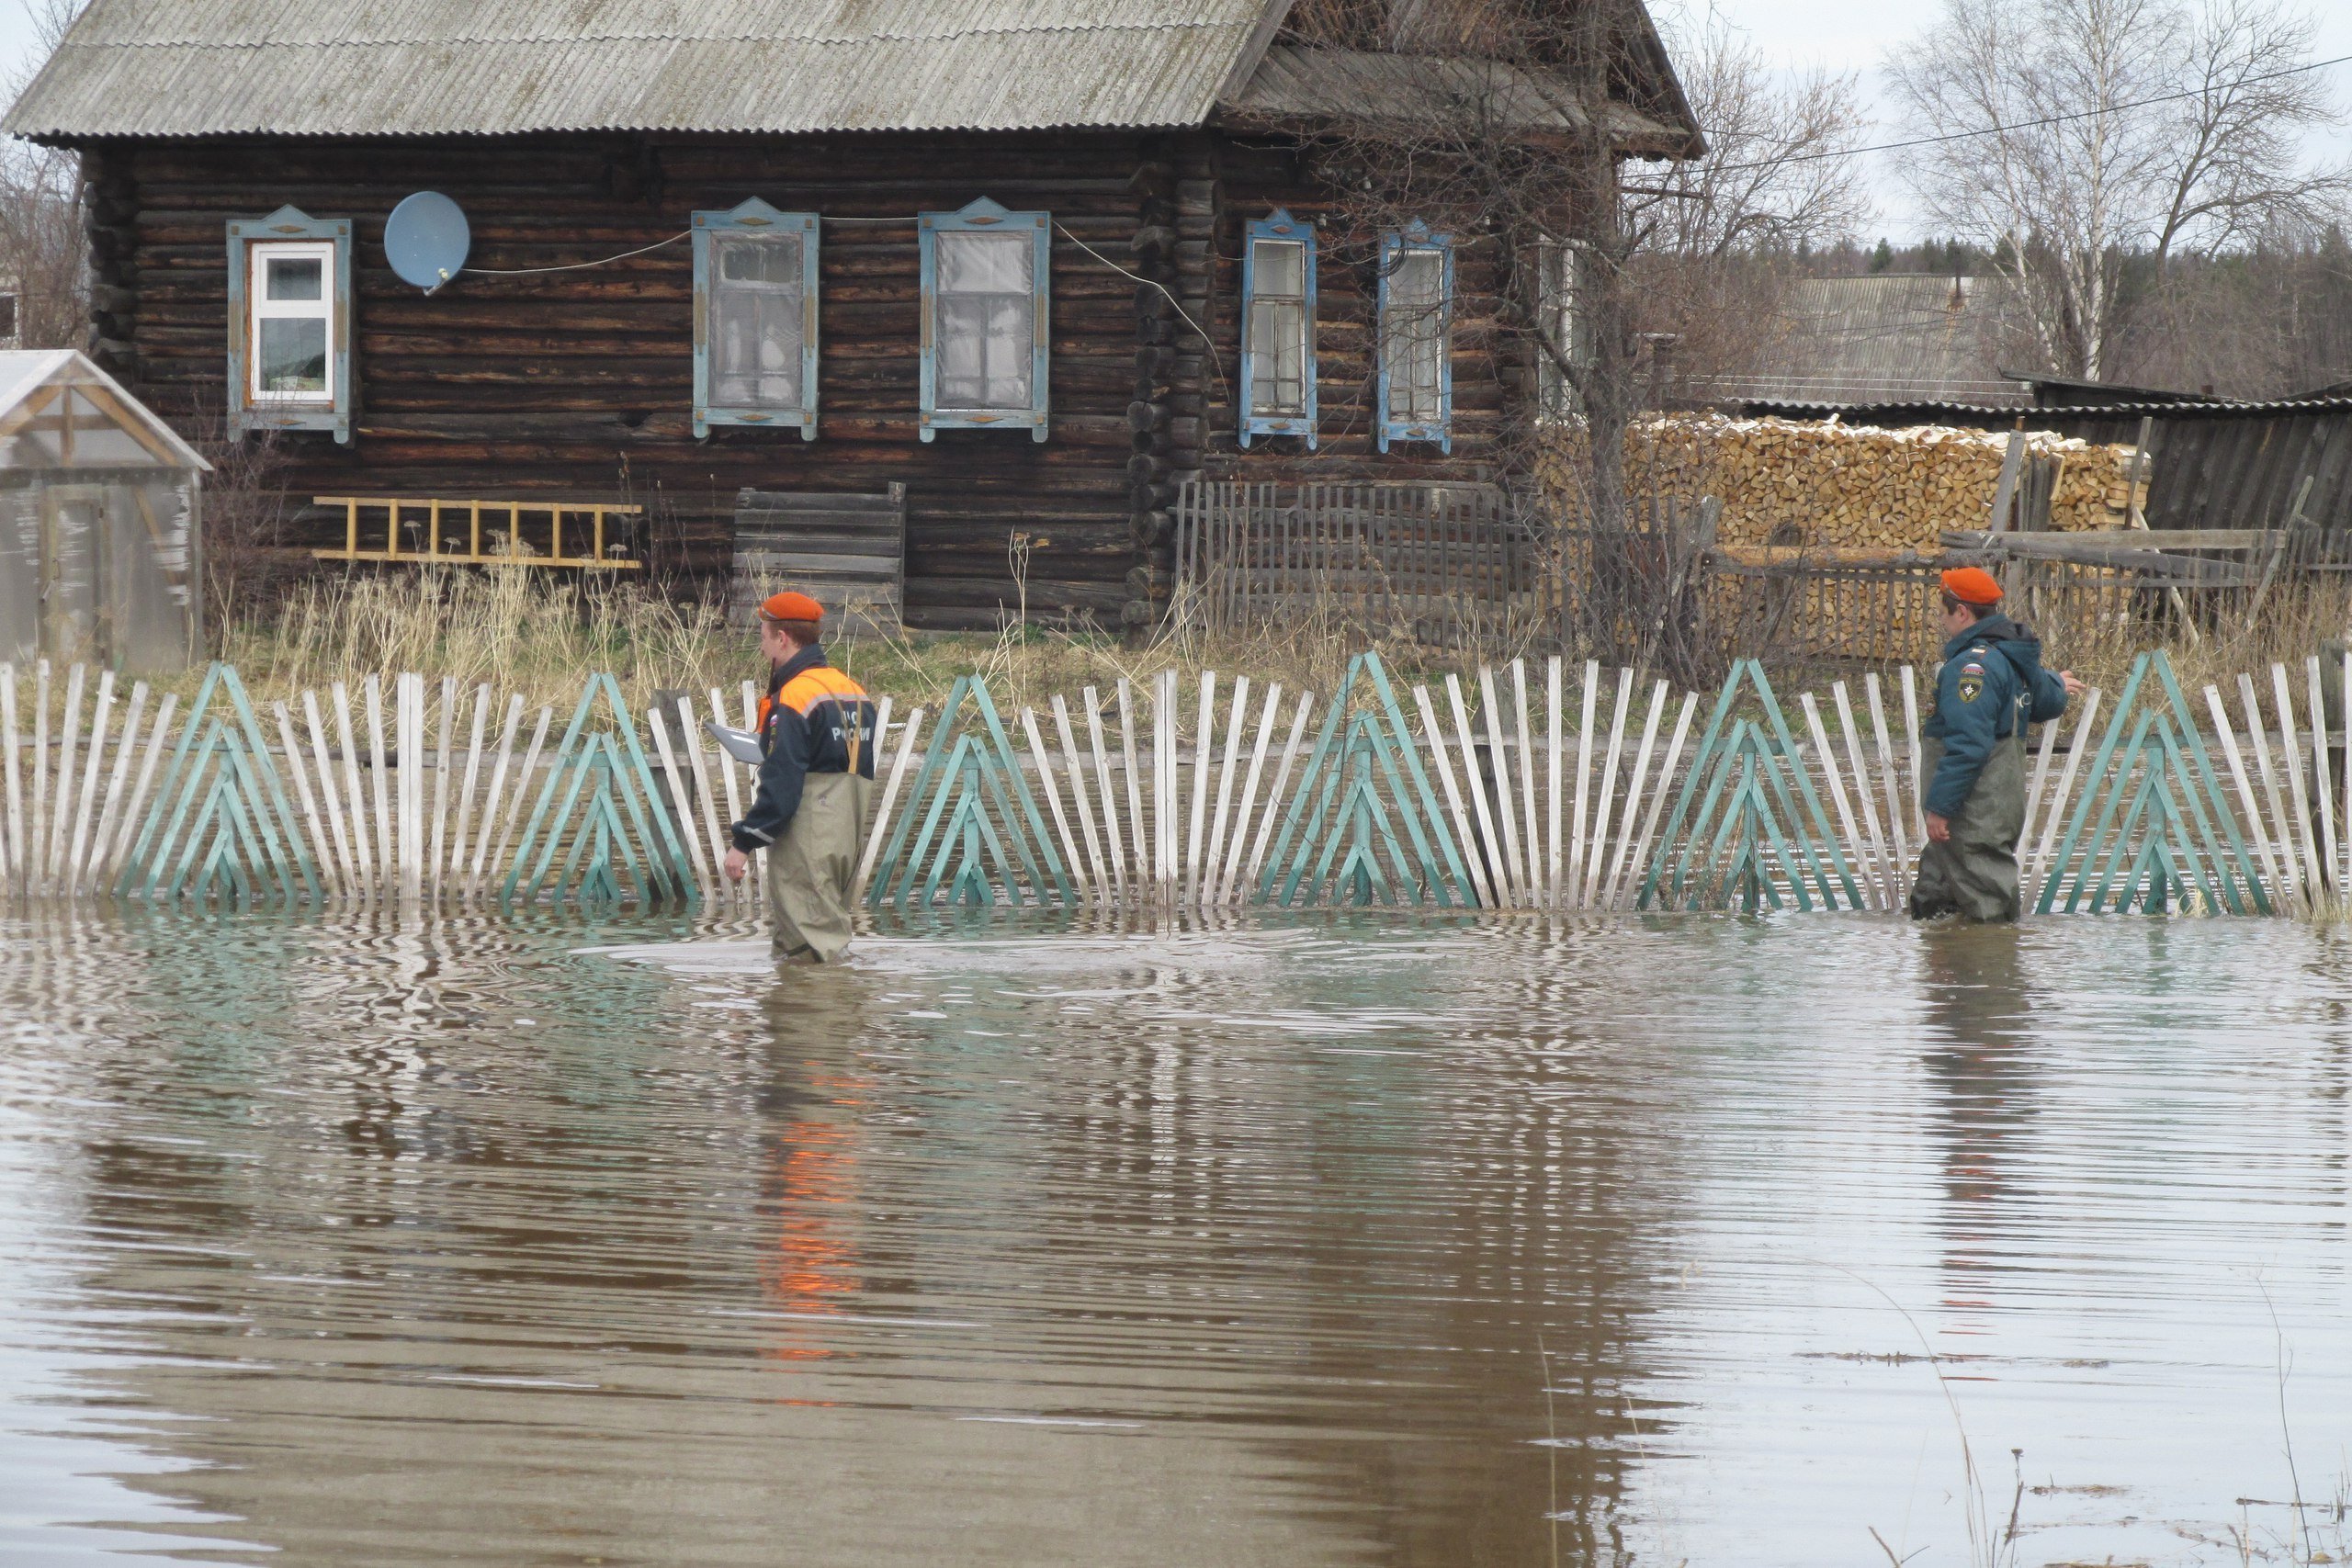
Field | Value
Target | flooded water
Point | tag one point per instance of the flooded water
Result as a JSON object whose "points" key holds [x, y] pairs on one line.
{"points": [[1340, 1240]]}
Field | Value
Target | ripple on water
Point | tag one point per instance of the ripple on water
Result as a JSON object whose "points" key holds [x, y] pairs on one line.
{"points": [[1338, 1238]]}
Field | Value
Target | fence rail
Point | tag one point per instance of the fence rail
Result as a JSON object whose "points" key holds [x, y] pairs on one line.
{"points": [[1530, 785]]}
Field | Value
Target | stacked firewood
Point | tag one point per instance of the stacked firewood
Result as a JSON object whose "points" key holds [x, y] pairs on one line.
{"points": [[1848, 492]]}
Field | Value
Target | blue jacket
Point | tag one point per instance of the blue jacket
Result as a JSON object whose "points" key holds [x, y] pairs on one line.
{"points": [[1991, 686], [814, 720]]}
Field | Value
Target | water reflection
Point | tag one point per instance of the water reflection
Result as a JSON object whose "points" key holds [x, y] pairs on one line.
{"points": [[1342, 1239]]}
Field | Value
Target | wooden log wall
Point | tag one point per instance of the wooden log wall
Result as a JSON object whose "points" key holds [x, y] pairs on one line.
{"points": [[1255, 176], [581, 382]]}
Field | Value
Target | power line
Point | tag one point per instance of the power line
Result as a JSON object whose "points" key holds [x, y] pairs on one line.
{"points": [[2026, 124]]}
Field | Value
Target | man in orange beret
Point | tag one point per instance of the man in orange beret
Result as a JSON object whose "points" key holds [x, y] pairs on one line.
{"points": [[1991, 686], [817, 743]]}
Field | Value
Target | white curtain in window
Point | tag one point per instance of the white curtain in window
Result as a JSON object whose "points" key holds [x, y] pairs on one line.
{"points": [[1278, 327], [757, 312], [987, 305], [1413, 334]]}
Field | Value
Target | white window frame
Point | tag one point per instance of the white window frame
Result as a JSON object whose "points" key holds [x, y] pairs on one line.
{"points": [[260, 307]]}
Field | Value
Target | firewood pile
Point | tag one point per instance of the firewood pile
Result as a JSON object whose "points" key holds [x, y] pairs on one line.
{"points": [[1853, 494]]}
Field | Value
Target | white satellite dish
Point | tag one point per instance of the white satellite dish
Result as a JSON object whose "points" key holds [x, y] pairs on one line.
{"points": [[426, 239]]}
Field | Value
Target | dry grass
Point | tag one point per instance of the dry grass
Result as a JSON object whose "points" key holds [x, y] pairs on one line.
{"points": [[518, 633]]}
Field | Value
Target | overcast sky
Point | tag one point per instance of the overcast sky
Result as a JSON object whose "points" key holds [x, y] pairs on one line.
{"points": [[1845, 35]]}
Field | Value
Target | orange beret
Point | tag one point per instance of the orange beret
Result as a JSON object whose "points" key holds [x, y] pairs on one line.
{"points": [[1971, 585], [800, 607]]}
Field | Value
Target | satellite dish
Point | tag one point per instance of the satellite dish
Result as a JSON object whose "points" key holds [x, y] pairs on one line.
{"points": [[427, 240]]}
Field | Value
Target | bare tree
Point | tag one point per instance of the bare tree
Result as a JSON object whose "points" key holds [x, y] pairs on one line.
{"points": [[1726, 233], [2077, 133], [41, 221]]}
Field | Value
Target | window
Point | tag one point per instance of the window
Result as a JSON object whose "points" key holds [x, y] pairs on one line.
{"points": [[293, 317], [1560, 313], [985, 319], [289, 323], [1278, 342], [7, 318], [1415, 389], [755, 319]]}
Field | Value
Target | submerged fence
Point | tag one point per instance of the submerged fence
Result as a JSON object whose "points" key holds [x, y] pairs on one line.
{"points": [[1522, 786]]}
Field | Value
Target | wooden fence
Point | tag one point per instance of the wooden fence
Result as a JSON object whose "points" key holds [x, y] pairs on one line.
{"points": [[1452, 564], [1528, 786]]}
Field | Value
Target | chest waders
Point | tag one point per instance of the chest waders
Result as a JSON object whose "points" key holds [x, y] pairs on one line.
{"points": [[1974, 874], [811, 873]]}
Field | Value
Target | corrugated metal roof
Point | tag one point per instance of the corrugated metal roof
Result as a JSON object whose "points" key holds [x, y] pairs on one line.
{"points": [[1891, 338], [432, 67], [1293, 81], [1925, 410]]}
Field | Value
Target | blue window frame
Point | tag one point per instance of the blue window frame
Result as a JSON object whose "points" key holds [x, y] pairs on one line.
{"points": [[289, 323], [755, 319], [986, 319], [1416, 391], [1278, 329]]}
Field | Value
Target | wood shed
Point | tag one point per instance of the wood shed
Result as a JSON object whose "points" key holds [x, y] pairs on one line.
{"points": [[99, 521]]}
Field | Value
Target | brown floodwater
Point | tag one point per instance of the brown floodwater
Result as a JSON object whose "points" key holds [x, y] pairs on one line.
{"points": [[1338, 1239]]}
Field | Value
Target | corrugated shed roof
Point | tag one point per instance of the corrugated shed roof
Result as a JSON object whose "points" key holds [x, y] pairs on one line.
{"points": [[1891, 338], [1293, 81], [432, 67], [1926, 411]]}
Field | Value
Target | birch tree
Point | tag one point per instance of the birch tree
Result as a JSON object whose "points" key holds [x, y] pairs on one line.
{"points": [[2075, 139]]}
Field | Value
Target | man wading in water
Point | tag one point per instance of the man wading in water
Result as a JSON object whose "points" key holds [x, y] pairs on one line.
{"points": [[1991, 687], [817, 740]]}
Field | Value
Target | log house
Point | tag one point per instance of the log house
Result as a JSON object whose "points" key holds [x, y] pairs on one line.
{"points": [[582, 138]]}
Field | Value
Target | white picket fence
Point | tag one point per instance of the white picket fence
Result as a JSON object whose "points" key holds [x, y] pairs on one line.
{"points": [[1530, 785]]}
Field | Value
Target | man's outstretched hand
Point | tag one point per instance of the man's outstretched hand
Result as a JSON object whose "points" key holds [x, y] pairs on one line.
{"points": [[2074, 686]]}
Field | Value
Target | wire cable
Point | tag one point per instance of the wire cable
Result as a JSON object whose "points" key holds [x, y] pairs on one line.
{"points": [[2024, 124]]}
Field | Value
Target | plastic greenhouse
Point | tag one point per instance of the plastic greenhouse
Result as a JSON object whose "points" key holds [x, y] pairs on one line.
{"points": [[99, 521]]}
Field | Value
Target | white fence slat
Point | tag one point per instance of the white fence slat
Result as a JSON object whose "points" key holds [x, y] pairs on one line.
{"points": [[2055, 818], [1890, 878], [674, 777], [1203, 756], [1897, 819], [2249, 808], [11, 851], [439, 856], [1043, 765], [909, 735], [1665, 788], [523, 790], [304, 796], [479, 866], [1498, 762], [1480, 784], [2323, 796], [61, 800], [35, 843], [1526, 761], [85, 807], [1280, 794], [1556, 858], [1577, 855], [1075, 767], [1228, 875], [2292, 759], [1236, 713], [156, 738], [1441, 756], [386, 838], [94, 870], [346, 875], [469, 792], [1623, 836], [1835, 779], [1115, 854], [370, 869], [1135, 779]]}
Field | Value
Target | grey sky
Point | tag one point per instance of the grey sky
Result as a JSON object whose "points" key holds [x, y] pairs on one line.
{"points": [[1845, 35]]}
